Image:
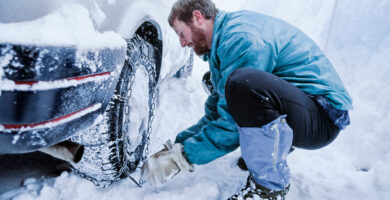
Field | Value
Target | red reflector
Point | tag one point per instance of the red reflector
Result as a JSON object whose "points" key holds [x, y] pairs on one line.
{"points": [[30, 83], [19, 126]]}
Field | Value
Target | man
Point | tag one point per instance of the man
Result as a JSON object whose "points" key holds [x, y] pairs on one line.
{"points": [[273, 89]]}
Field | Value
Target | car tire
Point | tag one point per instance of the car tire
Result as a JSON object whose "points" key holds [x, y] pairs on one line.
{"points": [[116, 145]]}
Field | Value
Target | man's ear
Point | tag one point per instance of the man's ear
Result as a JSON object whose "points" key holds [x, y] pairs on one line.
{"points": [[197, 18]]}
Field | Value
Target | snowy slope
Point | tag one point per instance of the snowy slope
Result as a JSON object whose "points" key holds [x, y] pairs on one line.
{"points": [[355, 166]]}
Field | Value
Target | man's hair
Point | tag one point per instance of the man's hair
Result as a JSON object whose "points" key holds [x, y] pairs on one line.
{"points": [[182, 10]]}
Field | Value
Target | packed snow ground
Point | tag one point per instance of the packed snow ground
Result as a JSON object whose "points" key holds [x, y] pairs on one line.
{"points": [[355, 166]]}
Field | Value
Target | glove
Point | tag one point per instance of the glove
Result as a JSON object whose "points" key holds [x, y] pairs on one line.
{"points": [[164, 165]]}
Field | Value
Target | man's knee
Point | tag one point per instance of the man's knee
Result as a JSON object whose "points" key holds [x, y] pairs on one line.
{"points": [[237, 85], [236, 88], [247, 97], [243, 82]]}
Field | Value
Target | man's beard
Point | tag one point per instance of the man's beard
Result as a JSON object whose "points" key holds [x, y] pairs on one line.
{"points": [[199, 41]]}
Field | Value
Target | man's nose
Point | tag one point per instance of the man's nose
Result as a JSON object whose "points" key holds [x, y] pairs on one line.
{"points": [[183, 42]]}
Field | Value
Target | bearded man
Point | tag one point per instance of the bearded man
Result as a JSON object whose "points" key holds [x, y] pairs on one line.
{"points": [[274, 89]]}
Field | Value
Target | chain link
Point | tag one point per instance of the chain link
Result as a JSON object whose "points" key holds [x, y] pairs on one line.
{"points": [[151, 117], [102, 184], [152, 108]]}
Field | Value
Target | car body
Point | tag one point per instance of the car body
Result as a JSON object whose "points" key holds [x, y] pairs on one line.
{"points": [[60, 62]]}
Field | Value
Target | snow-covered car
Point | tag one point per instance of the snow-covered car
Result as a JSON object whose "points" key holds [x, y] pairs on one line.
{"points": [[78, 79]]}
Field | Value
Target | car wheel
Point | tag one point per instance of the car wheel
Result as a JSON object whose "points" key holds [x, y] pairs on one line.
{"points": [[117, 144]]}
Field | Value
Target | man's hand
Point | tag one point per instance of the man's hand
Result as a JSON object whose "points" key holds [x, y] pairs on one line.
{"points": [[164, 165]]}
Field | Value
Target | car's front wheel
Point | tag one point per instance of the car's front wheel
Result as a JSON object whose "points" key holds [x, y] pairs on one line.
{"points": [[117, 144]]}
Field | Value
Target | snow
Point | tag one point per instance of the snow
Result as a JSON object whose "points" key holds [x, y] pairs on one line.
{"points": [[110, 2], [97, 14], [4, 61], [71, 23], [355, 36], [139, 106]]}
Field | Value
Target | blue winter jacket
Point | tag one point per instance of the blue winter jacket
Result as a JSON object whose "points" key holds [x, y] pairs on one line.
{"points": [[252, 40]]}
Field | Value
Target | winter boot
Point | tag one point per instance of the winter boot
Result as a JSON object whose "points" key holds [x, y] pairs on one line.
{"points": [[254, 191]]}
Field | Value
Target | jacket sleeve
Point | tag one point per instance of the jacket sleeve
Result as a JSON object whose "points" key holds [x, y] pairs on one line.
{"points": [[218, 135]]}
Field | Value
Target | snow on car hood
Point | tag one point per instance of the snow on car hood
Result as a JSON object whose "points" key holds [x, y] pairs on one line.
{"points": [[70, 25]]}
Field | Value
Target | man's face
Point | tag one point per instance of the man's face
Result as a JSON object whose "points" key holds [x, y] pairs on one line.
{"points": [[191, 36]]}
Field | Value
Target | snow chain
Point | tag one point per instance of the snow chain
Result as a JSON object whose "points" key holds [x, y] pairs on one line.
{"points": [[152, 75], [150, 65]]}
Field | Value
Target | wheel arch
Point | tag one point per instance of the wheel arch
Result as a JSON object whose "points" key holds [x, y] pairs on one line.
{"points": [[145, 19], [151, 32]]}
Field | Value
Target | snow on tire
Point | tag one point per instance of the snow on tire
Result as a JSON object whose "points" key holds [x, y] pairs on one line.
{"points": [[116, 145]]}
